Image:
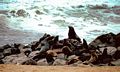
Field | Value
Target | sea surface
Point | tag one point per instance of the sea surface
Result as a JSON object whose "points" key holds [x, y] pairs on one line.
{"points": [[56, 15]]}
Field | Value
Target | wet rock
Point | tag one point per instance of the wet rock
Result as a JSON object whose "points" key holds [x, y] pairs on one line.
{"points": [[116, 11], [103, 6], [13, 13], [103, 41], [21, 13], [38, 12]]}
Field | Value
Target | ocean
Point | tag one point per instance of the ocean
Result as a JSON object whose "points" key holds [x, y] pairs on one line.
{"points": [[54, 16]]}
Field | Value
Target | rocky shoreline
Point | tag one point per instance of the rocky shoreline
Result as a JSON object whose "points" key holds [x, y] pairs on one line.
{"points": [[49, 50]]}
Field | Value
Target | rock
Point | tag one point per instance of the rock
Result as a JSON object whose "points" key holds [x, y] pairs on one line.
{"points": [[1, 55], [104, 58], [6, 46], [21, 13], [1, 62], [11, 51], [15, 50], [29, 62], [59, 62], [1, 49], [42, 62], [72, 34], [116, 11], [60, 56], [38, 12], [110, 50], [35, 55], [7, 52], [116, 62], [117, 40], [103, 6], [16, 45], [103, 41], [13, 12], [116, 55], [45, 44], [72, 59], [34, 45], [27, 51], [15, 59], [20, 47], [84, 57]]}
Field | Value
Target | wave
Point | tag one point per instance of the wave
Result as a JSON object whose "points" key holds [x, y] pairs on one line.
{"points": [[54, 17]]}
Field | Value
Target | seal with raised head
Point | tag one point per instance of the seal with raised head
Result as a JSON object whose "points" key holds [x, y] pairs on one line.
{"points": [[72, 34]]}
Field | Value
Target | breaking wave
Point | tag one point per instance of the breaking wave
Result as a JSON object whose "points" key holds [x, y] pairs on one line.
{"points": [[89, 18]]}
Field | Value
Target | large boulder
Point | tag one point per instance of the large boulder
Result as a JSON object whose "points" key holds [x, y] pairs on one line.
{"points": [[15, 59], [103, 41]]}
